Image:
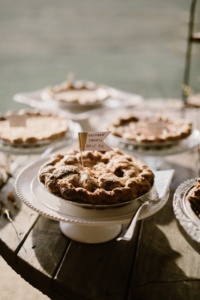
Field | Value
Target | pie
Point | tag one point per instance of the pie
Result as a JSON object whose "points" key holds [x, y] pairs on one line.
{"points": [[77, 92], [194, 198], [104, 178], [193, 100], [151, 130], [31, 128]]}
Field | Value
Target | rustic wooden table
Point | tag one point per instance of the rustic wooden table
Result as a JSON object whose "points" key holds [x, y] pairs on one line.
{"points": [[160, 262]]}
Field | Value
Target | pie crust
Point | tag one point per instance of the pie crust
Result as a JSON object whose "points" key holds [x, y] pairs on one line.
{"points": [[106, 177], [77, 92], [151, 130], [194, 198], [39, 128]]}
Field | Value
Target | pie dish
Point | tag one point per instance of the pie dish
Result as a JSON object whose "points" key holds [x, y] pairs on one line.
{"points": [[151, 130], [73, 93], [37, 128], [97, 178]]}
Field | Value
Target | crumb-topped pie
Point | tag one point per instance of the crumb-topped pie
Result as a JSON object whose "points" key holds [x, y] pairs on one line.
{"points": [[30, 128], [77, 93], [151, 130], [104, 178], [194, 198]]}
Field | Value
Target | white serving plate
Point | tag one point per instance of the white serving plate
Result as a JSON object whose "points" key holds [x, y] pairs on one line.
{"points": [[83, 210]]}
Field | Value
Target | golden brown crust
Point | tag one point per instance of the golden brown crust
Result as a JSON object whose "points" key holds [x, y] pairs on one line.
{"points": [[194, 198], [106, 178], [40, 128], [151, 129]]}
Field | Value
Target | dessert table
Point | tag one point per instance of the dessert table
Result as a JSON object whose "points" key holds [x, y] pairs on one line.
{"points": [[160, 262]]}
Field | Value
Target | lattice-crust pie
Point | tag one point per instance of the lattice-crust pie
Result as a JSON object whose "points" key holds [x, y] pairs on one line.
{"points": [[151, 129], [106, 177], [38, 128], [194, 198], [77, 92]]}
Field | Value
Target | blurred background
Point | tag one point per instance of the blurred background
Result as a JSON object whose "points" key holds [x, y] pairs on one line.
{"points": [[137, 46]]}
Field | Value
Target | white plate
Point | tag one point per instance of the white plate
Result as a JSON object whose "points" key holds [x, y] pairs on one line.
{"points": [[118, 99], [71, 135], [183, 212], [168, 149], [83, 210]]}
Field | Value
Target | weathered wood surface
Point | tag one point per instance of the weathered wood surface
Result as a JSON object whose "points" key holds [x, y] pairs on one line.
{"points": [[167, 261]]}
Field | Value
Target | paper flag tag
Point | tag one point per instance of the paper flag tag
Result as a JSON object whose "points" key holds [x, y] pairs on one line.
{"points": [[93, 140], [17, 120]]}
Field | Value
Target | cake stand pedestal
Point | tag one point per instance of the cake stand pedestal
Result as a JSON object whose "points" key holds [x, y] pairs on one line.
{"points": [[90, 234]]}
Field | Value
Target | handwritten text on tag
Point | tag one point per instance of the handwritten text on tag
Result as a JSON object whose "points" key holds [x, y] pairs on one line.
{"points": [[93, 140]]}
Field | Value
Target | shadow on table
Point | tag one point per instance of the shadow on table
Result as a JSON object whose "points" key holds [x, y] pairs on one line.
{"points": [[160, 272]]}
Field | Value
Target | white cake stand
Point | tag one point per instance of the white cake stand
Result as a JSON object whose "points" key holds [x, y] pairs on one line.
{"points": [[86, 223]]}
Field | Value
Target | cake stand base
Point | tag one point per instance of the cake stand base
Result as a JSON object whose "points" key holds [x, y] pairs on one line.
{"points": [[90, 234]]}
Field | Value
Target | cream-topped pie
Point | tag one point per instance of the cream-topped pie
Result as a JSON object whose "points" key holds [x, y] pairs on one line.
{"points": [[193, 197], [31, 128], [77, 93], [151, 130], [104, 178]]}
